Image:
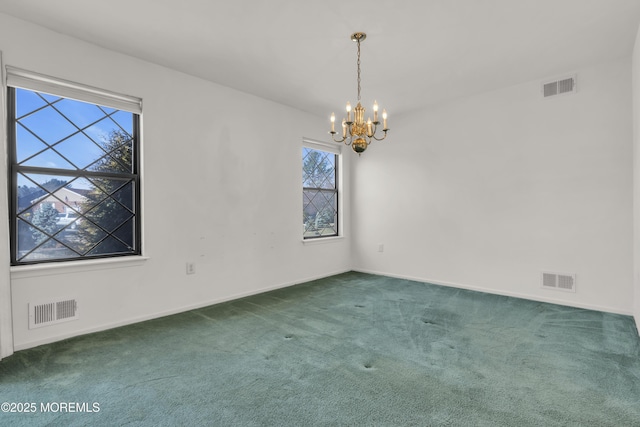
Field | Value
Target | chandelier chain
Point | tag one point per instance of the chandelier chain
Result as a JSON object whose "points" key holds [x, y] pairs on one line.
{"points": [[358, 69]]}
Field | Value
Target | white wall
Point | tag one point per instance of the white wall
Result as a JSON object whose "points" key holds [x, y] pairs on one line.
{"points": [[222, 188], [489, 191], [6, 328], [636, 176]]}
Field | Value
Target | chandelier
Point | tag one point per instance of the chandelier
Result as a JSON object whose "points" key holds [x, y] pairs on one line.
{"points": [[355, 131]]}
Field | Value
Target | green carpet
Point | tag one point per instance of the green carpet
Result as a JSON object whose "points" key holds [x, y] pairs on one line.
{"points": [[353, 349]]}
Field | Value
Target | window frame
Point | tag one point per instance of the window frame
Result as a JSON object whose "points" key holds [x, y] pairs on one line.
{"points": [[336, 150], [35, 82]]}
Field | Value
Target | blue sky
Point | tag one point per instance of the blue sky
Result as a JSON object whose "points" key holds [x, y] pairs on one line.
{"points": [[66, 138]]}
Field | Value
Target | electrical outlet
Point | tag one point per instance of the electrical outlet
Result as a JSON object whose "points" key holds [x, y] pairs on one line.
{"points": [[191, 268]]}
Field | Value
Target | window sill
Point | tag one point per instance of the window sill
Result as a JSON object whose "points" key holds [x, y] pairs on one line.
{"points": [[319, 240], [25, 271]]}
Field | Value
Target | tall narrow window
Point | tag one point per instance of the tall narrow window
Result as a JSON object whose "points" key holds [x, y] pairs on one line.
{"points": [[75, 184], [319, 192]]}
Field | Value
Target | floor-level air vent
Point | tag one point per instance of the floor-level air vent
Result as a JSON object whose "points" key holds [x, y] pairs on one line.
{"points": [[561, 86], [559, 281], [50, 313]]}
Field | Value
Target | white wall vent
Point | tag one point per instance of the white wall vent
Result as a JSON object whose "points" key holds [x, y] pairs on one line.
{"points": [[565, 85], [559, 281], [52, 312]]}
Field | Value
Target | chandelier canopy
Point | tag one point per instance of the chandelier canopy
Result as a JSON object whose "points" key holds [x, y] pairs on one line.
{"points": [[355, 131]]}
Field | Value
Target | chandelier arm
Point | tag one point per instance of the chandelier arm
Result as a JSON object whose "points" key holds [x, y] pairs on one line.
{"points": [[333, 136], [380, 139]]}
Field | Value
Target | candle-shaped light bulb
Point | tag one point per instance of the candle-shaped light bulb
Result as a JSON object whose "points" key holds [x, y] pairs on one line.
{"points": [[333, 122], [369, 126], [384, 119], [348, 111], [344, 128], [375, 111]]}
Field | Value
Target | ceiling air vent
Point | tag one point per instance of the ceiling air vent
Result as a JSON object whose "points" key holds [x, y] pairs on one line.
{"points": [[559, 281], [561, 86]]}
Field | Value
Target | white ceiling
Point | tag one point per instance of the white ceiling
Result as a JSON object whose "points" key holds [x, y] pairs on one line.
{"points": [[298, 52]]}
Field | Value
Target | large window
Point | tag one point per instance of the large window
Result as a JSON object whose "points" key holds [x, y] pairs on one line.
{"points": [[319, 191], [75, 185]]}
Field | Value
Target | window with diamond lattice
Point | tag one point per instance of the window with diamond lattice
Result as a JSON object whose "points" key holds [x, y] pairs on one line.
{"points": [[320, 193], [75, 179]]}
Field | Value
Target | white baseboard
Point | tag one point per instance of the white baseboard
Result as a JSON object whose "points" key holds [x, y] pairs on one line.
{"points": [[48, 340], [104, 327], [501, 292]]}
